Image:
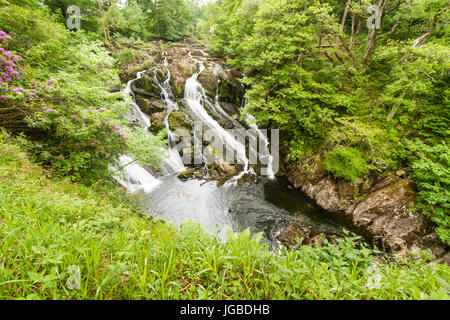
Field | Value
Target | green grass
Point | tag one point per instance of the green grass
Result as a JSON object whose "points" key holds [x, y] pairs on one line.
{"points": [[51, 227]]}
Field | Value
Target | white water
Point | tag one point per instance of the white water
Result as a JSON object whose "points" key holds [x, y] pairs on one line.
{"points": [[136, 113], [195, 97], [132, 176], [264, 153], [135, 178], [174, 162]]}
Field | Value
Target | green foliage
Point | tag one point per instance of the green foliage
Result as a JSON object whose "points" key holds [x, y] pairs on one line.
{"points": [[34, 35], [147, 149], [417, 92], [170, 18], [125, 56], [431, 173], [51, 228], [286, 89], [345, 162], [79, 128], [316, 72], [233, 21], [76, 139]]}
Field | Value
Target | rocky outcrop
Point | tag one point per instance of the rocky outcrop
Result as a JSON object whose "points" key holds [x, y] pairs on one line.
{"points": [[177, 60], [379, 207], [214, 78], [178, 120]]}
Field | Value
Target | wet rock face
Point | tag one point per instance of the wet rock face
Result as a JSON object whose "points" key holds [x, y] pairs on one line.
{"points": [[146, 87], [193, 173], [214, 79], [157, 120], [231, 92], [295, 235], [387, 217], [149, 105], [178, 120], [383, 214], [221, 171], [209, 81], [181, 68]]}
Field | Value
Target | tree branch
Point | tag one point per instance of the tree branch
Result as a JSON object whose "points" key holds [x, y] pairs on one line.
{"points": [[396, 22]]}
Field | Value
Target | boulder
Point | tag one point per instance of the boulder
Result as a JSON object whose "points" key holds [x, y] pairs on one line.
{"points": [[209, 82], [221, 171], [290, 237], [157, 121], [178, 120], [387, 216], [146, 86]]}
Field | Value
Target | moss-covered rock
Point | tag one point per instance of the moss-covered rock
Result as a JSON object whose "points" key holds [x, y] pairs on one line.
{"points": [[209, 82], [220, 171], [188, 174], [231, 92], [146, 86], [178, 120], [157, 121], [149, 105], [181, 68]]}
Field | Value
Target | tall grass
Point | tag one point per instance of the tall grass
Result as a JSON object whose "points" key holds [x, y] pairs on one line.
{"points": [[50, 229]]}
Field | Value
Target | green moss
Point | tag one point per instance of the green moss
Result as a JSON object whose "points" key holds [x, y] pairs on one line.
{"points": [[177, 120], [345, 162], [187, 174]]}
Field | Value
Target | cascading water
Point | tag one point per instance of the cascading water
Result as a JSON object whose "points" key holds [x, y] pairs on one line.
{"points": [[215, 208], [195, 97], [134, 177], [130, 174], [264, 154], [173, 163], [136, 114]]}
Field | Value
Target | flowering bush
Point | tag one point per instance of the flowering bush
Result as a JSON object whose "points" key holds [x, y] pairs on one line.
{"points": [[9, 72], [74, 126]]}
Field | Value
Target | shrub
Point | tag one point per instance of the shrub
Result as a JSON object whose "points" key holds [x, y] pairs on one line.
{"points": [[345, 162], [431, 173], [125, 56]]}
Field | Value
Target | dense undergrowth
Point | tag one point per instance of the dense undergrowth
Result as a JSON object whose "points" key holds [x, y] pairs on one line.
{"points": [[62, 240], [63, 97]]}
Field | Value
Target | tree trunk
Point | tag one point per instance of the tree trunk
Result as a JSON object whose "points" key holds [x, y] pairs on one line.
{"points": [[344, 16], [100, 10], [373, 35], [424, 38]]}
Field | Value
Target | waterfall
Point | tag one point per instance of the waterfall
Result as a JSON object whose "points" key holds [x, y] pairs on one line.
{"points": [[138, 178], [195, 97], [134, 177], [218, 71], [215, 208], [173, 163], [136, 113], [264, 153]]}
